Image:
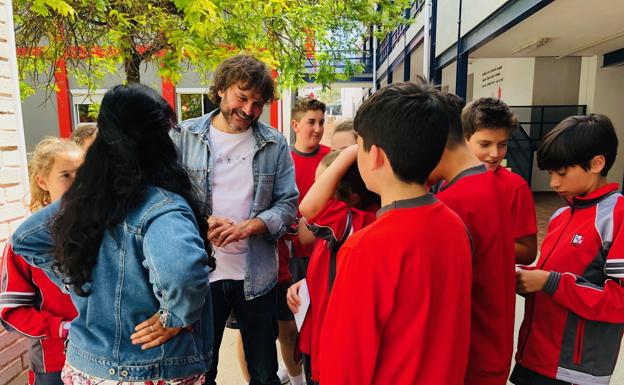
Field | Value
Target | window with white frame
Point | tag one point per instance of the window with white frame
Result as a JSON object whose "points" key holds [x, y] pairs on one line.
{"points": [[192, 103], [83, 103]]}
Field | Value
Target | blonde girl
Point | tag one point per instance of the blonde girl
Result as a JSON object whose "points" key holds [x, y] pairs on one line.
{"points": [[30, 304], [51, 170]]}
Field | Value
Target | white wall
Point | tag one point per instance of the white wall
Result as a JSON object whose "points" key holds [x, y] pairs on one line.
{"points": [[608, 99], [449, 77], [351, 99], [556, 81], [398, 74], [286, 101], [417, 63], [587, 82], [40, 118], [514, 78], [475, 11], [13, 166], [446, 25]]}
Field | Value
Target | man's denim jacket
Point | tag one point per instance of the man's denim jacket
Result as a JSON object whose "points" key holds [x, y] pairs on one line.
{"points": [[275, 192], [153, 261]]}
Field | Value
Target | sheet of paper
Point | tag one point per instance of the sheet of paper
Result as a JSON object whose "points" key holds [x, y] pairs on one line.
{"points": [[304, 296]]}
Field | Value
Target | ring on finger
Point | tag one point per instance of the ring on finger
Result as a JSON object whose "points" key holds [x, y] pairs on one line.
{"points": [[152, 328]]}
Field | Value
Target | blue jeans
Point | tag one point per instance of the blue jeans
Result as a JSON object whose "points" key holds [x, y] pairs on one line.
{"points": [[257, 320]]}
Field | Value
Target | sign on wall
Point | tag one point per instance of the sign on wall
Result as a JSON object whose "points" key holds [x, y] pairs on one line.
{"points": [[492, 82], [509, 79]]}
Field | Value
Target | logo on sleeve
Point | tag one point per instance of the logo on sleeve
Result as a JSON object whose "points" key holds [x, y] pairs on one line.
{"points": [[577, 239]]}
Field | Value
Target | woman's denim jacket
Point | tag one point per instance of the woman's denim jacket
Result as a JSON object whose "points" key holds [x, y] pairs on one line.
{"points": [[154, 261], [275, 192]]}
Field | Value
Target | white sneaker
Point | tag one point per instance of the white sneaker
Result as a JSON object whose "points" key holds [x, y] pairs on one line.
{"points": [[282, 374]]}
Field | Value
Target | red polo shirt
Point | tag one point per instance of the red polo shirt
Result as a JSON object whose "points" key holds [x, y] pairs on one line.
{"points": [[477, 197], [520, 200], [399, 310], [305, 169], [330, 225]]}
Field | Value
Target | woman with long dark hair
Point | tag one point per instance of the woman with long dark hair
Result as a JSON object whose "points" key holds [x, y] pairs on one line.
{"points": [[128, 242]]}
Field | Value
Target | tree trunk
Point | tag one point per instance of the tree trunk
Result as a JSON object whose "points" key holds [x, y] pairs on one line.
{"points": [[132, 66]]}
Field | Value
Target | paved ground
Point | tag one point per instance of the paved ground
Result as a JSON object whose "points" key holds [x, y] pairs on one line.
{"points": [[546, 204]]}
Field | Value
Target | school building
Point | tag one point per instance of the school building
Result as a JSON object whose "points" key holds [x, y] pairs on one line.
{"points": [[547, 59]]}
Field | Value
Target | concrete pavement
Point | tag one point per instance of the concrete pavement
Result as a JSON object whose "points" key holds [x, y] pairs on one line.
{"points": [[229, 371]]}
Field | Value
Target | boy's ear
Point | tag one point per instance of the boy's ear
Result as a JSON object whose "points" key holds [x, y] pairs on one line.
{"points": [[378, 157], [597, 163], [294, 124]]}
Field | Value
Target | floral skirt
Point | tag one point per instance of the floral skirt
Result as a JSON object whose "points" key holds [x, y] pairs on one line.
{"points": [[71, 376]]}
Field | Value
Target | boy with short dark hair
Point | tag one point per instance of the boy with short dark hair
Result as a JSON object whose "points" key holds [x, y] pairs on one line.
{"points": [[475, 194], [573, 319], [399, 310], [488, 124]]}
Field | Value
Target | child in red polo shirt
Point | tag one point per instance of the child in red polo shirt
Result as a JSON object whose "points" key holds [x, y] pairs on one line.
{"points": [[488, 123], [337, 205], [474, 193], [574, 318], [308, 123], [399, 310]]}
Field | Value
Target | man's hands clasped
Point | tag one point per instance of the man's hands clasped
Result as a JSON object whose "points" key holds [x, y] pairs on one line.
{"points": [[223, 231]]}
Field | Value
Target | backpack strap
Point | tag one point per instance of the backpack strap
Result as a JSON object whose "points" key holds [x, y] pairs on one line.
{"points": [[335, 246]]}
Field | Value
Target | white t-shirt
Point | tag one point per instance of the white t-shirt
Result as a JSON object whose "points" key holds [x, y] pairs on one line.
{"points": [[231, 158]]}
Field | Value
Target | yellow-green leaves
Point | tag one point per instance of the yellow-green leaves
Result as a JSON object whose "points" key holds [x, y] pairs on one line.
{"points": [[45, 7], [302, 39]]}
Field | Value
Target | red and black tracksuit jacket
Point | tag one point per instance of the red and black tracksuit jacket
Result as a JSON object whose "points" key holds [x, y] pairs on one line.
{"points": [[32, 305], [572, 329]]}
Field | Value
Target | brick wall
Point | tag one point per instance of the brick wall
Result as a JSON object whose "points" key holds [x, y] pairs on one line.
{"points": [[13, 184]]}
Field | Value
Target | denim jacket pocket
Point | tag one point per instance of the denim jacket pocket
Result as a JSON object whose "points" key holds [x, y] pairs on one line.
{"points": [[183, 342], [264, 192]]}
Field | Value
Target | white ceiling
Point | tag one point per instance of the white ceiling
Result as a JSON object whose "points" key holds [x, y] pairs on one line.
{"points": [[573, 27]]}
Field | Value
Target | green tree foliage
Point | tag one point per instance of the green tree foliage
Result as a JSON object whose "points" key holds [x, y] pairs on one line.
{"points": [[97, 37]]}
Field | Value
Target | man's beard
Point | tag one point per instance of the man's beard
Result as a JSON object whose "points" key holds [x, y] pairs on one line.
{"points": [[229, 118]]}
